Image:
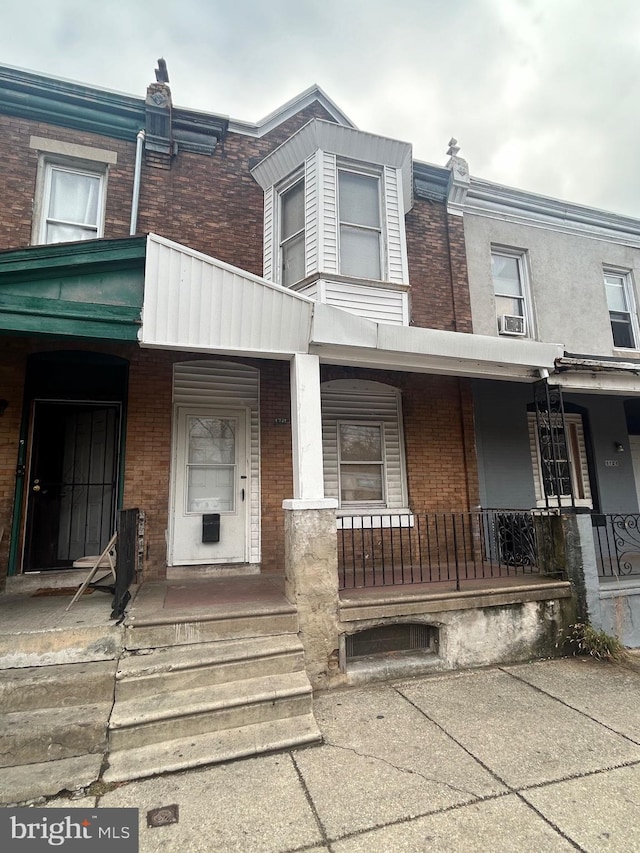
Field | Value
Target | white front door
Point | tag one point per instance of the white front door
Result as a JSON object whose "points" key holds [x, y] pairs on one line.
{"points": [[210, 478]]}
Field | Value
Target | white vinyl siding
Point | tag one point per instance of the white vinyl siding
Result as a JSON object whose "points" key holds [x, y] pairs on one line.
{"points": [[328, 257], [223, 384], [381, 304], [312, 230], [269, 256], [397, 264], [364, 403], [577, 461]]}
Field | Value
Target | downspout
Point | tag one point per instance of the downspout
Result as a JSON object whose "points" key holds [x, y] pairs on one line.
{"points": [[136, 183]]}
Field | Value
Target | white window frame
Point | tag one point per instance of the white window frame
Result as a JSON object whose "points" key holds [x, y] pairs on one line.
{"points": [[282, 190], [381, 504], [521, 258], [578, 466], [380, 230], [346, 401], [46, 167], [626, 280]]}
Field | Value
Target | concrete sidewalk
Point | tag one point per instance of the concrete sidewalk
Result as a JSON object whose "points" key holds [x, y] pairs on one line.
{"points": [[533, 757]]}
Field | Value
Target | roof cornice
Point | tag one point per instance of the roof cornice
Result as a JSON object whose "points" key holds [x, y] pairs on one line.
{"points": [[68, 104], [485, 198]]}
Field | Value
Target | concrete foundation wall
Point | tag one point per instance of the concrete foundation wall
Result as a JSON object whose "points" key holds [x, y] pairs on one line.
{"points": [[470, 633], [620, 614]]}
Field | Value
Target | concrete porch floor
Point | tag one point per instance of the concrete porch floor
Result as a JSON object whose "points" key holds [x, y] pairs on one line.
{"points": [[38, 602], [34, 603]]}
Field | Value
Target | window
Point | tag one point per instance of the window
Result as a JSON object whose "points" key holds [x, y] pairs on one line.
{"points": [[360, 228], [72, 204], [621, 309], [572, 470], [363, 446], [509, 285], [292, 234], [361, 466]]}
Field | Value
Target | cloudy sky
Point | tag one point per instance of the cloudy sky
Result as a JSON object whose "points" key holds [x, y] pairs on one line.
{"points": [[541, 94]]}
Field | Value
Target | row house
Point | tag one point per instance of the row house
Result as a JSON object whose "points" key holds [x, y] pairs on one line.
{"points": [[283, 345], [551, 271]]}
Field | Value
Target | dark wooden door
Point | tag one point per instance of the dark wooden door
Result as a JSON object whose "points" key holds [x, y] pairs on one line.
{"points": [[72, 484]]}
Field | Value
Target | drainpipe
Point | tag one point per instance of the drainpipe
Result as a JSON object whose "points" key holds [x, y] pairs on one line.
{"points": [[543, 373], [136, 183]]}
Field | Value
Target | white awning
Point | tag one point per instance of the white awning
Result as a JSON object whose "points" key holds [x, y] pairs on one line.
{"points": [[341, 338], [194, 302]]}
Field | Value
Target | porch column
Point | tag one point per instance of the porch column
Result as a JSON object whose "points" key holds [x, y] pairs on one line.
{"points": [[581, 565], [306, 428], [311, 548]]}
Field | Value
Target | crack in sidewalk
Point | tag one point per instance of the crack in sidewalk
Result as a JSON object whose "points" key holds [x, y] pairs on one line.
{"points": [[408, 770]]}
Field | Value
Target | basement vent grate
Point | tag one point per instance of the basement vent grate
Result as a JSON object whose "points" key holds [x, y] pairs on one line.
{"points": [[385, 639]]}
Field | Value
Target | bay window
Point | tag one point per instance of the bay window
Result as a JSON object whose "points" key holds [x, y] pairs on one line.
{"points": [[335, 199]]}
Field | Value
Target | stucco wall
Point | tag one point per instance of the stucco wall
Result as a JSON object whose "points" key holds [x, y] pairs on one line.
{"points": [[566, 277], [504, 461]]}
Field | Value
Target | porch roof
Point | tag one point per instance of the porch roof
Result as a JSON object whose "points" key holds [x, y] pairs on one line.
{"points": [[91, 288], [197, 303]]}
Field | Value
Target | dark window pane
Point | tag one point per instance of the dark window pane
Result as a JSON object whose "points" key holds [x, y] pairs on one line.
{"points": [[622, 331]]}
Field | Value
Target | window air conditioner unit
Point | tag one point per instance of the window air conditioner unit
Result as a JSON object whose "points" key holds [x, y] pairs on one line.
{"points": [[511, 324]]}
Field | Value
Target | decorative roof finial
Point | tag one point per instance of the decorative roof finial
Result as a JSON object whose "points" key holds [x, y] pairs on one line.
{"points": [[162, 75], [459, 181]]}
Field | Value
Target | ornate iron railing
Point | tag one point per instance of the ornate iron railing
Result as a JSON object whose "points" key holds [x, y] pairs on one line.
{"points": [[617, 543], [450, 548]]}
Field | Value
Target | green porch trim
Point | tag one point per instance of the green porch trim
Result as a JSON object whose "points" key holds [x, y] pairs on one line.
{"points": [[21, 264], [90, 289], [107, 322]]}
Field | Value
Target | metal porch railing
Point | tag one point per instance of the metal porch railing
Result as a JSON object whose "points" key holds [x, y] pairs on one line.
{"points": [[616, 537], [448, 547]]}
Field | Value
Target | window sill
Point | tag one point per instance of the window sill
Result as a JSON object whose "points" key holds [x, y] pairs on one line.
{"points": [[363, 519], [564, 502]]}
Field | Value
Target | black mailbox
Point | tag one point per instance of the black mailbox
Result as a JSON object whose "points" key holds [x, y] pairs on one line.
{"points": [[211, 527]]}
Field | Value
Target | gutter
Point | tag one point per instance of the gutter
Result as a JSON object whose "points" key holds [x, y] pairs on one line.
{"points": [[135, 201]]}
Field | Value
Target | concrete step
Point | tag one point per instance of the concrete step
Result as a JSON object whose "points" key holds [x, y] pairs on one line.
{"points": [[172, 631], [57, 686], [212, 748], [48, 778], [151, 719], [204, 664], [47, 734], [76, 644]]}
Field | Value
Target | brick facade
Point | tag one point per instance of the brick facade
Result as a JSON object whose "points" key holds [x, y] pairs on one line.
{"points": [[213, 205]]}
